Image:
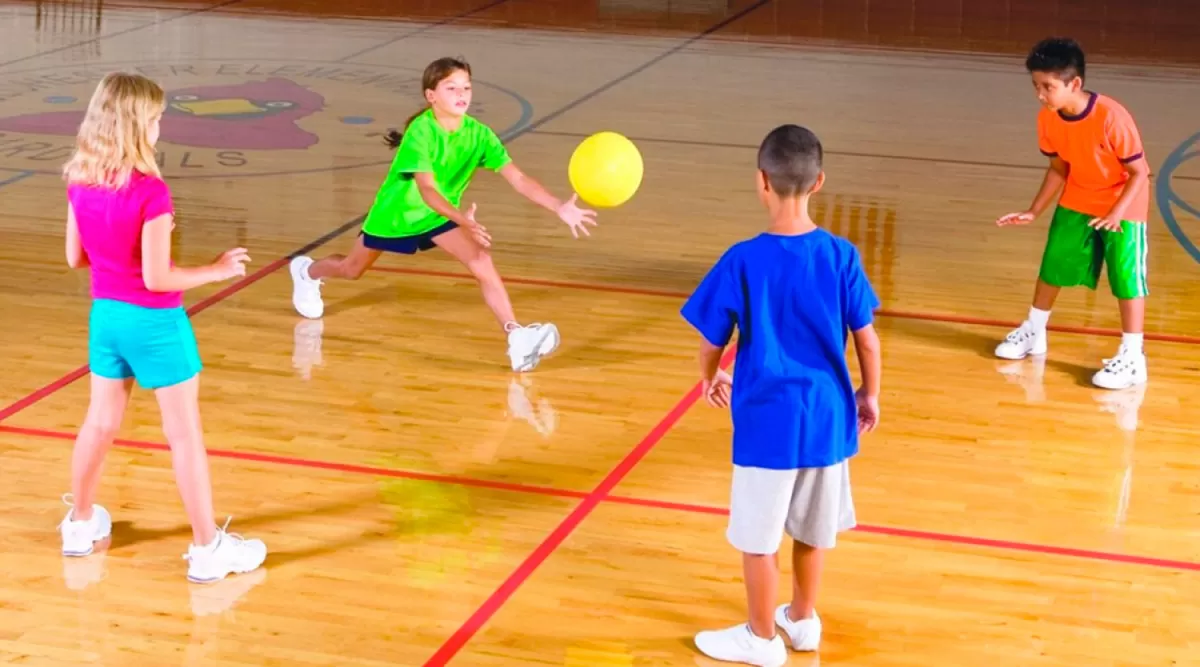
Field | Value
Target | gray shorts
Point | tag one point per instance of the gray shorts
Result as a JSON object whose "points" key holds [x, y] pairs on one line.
{"points": [[812, 504]]}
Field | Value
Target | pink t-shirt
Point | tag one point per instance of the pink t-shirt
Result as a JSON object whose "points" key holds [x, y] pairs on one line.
{"points": [[110, 226]]}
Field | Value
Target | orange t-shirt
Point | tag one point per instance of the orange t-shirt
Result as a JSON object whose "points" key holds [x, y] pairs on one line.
{"points": [[1096, 145]]}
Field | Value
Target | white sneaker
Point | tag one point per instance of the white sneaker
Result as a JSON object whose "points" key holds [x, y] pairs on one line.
{"points": [[805, 634], [527, 345], [228, 554], [80, 537], [1123, 371], [306, 292], [1022, 342], [740, 644]]}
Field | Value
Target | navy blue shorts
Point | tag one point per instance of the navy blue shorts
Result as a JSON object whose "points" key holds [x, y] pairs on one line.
{"points": [[408, 245]]}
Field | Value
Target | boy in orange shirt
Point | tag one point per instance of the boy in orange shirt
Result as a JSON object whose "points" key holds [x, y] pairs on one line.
{"points": [[1095, 150]]}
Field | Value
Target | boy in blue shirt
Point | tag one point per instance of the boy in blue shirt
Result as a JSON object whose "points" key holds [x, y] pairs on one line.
{"points": [[793, 293]]}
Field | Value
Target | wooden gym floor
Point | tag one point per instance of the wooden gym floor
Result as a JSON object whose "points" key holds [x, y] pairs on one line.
{"points": [[424, 506]]}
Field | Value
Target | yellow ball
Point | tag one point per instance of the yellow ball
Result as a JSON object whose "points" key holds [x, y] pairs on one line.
{"points": [[606, 169]]}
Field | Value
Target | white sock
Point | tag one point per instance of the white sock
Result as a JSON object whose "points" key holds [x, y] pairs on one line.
{"points": [[1132, 341], [1039, 318], [211, 546]]}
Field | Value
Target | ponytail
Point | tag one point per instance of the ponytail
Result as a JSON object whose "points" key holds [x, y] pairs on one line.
{"points": [[394, 137]]}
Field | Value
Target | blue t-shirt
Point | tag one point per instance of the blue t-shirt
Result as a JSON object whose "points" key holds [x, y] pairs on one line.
{"points": [[794, 301]]}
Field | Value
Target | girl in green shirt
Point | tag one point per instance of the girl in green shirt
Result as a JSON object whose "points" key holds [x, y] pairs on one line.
{"points": [[418, 207]]}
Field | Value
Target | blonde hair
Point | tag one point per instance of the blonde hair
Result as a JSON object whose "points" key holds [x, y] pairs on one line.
{"points": [[113, 139]]}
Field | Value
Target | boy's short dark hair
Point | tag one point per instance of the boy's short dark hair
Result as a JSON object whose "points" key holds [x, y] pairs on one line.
{"points": [[791, 158], [1061, 56]]}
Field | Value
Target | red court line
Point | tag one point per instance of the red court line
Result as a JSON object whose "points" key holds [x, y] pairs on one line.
{"points": [[982, 321], [26, 401], [1008, 545], [568, 525], [238, 286], [564, 284], [34, 397], [897, 314], [691, 508], [322, 465]]}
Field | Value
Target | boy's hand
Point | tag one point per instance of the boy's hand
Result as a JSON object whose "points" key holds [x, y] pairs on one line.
{"points": [[868, 411], [1107, 223], [1023, 218], [717, 390]]}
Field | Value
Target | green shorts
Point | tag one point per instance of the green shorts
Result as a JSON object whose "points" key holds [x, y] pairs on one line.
{"points": [[156, 346], [1076, 253]]}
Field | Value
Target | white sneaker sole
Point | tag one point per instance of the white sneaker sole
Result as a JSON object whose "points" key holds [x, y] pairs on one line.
{"points": [[550, 341], [91, 548], [546, 345], [1017, 356], [714, 652], [1115, 386], [212, 580]]}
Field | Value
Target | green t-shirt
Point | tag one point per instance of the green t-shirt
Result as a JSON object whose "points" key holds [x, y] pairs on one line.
{"points": [[452, 158]]}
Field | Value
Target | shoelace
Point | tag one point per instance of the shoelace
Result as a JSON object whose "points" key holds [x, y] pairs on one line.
{"points": [[221, 534], [535, 354], [1020, 335], [233, 536], [1123, 361], [1117, 364], [68, 500]]}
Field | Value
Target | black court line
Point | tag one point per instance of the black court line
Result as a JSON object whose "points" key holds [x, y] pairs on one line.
{"points": [[20, 176], [69, 378], [424, 28], [646, 65], [82, 371], [101, 38], [875, 156], [879, 156], [329, 236]]}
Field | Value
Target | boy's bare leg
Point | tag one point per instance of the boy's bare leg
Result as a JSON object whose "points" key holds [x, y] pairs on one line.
{"points": [[799, 619], [762, 579], [807, 563], [1133, 315], [1044, 295]]}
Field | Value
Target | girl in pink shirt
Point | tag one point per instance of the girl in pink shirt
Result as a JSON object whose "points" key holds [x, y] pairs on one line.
{"points": [[119, 222]]}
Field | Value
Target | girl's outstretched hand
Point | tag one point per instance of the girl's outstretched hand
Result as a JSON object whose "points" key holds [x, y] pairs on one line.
{"points": [[477, 230], [576, 218]]}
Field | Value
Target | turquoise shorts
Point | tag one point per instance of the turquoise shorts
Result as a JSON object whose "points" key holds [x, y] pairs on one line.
{"points": [[155, 346]]}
